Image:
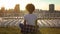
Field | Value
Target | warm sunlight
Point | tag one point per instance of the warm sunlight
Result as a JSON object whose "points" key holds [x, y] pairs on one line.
{"points": [[39, 4], [43, 5], [11, 3]]}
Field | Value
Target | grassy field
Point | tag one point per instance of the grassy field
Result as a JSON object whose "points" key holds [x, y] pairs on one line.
{"points": [[16, 30], [9, 30], [50, 30]]}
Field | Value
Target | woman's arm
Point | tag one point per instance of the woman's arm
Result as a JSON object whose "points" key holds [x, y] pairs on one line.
{"points": [[24, 22], [36, 24]]}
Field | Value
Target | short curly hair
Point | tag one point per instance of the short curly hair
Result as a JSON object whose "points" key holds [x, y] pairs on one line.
{"points": [[30, 7]]}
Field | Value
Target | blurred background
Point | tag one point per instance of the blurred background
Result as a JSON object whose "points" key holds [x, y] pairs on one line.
{"points": [[48, 12]]}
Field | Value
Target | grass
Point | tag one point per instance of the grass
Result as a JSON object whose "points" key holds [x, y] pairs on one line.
{"points": [[16, 30], [50, 30], [9, 30]]}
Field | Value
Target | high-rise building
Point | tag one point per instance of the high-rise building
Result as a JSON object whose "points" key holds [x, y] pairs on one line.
{"points": [[17, 8], [51, 7], [3, 9], [2, 12]]}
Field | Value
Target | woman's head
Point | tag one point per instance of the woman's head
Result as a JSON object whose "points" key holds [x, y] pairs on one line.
{"points": [[30, 8]]}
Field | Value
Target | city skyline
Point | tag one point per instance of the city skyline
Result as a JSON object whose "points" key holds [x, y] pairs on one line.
{"points": [[39, 4]]}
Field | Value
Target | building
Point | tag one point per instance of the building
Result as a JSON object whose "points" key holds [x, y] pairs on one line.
{"points": [[51, 13], [51, 7], [17, 8], [2, 11]]}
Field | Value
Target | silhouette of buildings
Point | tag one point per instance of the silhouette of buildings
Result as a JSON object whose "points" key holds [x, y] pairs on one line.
{"points": [[10, 12], [16, 12], [51, 7], [17, 8], [2, 9], [51, 13]]}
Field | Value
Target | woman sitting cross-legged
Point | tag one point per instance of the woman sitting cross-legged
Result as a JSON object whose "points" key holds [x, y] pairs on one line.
{"points": [[30, 21]]}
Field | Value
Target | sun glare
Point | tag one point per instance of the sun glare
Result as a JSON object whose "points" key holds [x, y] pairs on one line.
{"points": [[22, 6], [43, 5], [10, 4]]}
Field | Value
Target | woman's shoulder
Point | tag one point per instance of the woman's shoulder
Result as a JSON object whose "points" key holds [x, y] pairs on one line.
{"points": [[33, 15], [25, 15]]}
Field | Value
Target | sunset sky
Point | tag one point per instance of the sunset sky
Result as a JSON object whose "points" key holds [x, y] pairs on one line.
{"points": [[39, 4]]}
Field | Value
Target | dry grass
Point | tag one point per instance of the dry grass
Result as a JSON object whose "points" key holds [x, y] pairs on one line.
{"points": [[16, 30], [9, 30], [50, 30]]}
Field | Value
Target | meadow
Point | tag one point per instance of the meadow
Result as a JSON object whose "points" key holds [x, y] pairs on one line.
{"points": [[16, 30]]}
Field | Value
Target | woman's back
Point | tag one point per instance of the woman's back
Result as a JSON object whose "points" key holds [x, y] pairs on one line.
{"points": [[30, 19]]}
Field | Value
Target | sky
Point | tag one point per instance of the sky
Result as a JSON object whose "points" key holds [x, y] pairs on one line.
{"points": [[39, 4]]}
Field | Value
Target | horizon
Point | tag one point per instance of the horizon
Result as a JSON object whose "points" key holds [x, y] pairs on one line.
{"points": [[39, 4]]}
